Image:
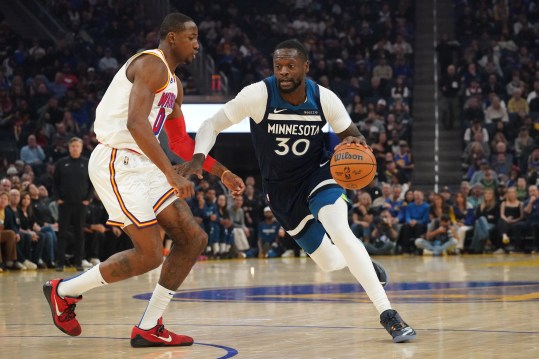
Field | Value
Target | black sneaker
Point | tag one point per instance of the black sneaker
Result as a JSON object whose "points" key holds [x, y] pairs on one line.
{"points": [[399, 330], [380, 273]]}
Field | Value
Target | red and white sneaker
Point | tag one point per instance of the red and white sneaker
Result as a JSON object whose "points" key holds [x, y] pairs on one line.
{"points": [[62, 309], [158, 336]]}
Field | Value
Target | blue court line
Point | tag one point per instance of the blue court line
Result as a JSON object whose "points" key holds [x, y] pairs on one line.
{"points": [[304, 327], [230, 352]]}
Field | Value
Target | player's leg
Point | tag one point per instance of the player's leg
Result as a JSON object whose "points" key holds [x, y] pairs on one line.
{"points": [[146, 255], [334, 218], [189, 240], [121, 185], [63, 295], [311, 236], [290, 209], [326, 255]]}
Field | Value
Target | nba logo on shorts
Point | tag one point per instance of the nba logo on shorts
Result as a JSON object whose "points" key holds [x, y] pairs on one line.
{"points": [[126, 161]]}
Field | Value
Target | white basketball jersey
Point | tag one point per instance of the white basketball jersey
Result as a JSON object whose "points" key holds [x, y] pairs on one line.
{"points": [[110, 124]]}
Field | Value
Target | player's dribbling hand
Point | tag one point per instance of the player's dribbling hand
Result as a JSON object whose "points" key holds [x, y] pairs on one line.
{"points": [[182, 186], [353, 140], [234, 183]]}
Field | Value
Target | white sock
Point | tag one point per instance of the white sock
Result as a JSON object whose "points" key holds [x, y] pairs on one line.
{"points": [[75, 286], [156, 307], [222, 248], [216, 248], [334, 218], [328, 256]]}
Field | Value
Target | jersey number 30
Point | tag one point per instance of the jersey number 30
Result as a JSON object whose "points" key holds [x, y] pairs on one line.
{"points": [[298, 148]]}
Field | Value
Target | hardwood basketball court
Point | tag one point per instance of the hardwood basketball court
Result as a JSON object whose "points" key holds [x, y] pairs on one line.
{"points": [[462, 307]]}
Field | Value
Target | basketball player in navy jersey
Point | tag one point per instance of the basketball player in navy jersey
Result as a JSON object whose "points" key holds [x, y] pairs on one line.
{"points": [[287, 113], [139, 186]]}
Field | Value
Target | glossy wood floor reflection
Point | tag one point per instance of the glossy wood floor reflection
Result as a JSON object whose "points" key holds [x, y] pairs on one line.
{"points": [[461, 307]]}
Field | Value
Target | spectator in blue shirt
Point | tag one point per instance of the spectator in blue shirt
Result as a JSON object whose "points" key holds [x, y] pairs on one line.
{"points": [[416, 219], [394, 202], [32, 154], [210, 217], [268, 232]]}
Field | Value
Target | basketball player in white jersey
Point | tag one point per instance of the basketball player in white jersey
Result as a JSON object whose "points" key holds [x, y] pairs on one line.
{"points": [[140, 188]]}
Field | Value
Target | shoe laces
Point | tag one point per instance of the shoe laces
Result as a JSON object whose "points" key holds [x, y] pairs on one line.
{"points": [[68, 314], [161, 331], [397, 325]]}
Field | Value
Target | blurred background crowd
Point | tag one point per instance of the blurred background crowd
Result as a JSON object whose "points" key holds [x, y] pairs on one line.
{"points": [[363, 51]]}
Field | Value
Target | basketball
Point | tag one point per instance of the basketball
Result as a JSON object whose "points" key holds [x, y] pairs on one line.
{"points": [[353, 167]]}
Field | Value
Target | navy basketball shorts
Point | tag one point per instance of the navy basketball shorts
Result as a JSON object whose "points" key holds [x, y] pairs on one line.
{"points": [[296, 206]]}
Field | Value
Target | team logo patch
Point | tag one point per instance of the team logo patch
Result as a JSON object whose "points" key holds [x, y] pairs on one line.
{"points": [[126, 161]]}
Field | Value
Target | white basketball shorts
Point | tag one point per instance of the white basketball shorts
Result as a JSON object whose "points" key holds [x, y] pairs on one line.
{"points": [[131, 187]]}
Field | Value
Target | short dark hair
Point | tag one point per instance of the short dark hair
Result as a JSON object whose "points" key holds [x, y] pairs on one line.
{"points": [[173, 22], [445, 218], [293, 44]]}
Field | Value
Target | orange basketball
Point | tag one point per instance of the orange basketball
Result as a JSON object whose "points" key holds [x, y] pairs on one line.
{"points": [[353, 167]]}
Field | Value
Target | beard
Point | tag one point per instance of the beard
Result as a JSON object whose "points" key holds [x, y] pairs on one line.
{"points": [[295, 85]]}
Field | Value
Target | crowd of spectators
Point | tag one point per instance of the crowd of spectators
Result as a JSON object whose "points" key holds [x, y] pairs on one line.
{"points": [[361, 51], [49, 92], [489, 83]]}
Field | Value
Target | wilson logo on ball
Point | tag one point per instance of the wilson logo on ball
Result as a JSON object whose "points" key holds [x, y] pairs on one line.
{"points": [[353, 167], [347, 156]]}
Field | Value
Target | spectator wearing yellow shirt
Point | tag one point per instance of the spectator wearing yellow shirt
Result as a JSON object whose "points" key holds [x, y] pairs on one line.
{"points": [[517, 104]]}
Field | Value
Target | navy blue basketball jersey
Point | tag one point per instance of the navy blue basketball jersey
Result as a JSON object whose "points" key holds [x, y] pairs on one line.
{"points": [[289, 142]]}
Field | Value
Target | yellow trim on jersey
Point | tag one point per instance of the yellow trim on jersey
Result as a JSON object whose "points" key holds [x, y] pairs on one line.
{"points": [[164, 87]]}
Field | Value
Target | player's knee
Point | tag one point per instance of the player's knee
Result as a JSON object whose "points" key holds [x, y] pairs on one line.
{"points": [[329, 263], [331, 266], [199, 242], [150, 258], [196, 243], [153, 261]]}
